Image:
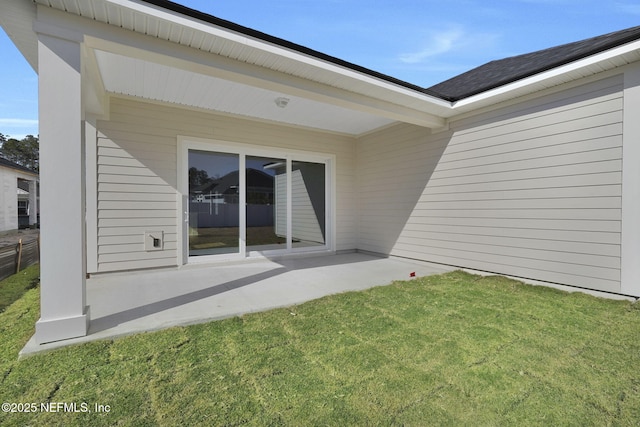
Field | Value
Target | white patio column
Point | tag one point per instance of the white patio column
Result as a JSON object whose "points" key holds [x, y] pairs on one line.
{"points": [[630, 280], [33, 202], [62, 218]]}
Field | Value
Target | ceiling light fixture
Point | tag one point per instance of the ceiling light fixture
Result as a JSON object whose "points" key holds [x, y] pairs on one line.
{"points": [[282, 102]]}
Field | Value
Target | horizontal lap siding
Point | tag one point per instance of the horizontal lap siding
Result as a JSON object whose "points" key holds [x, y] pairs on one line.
{"points": [[305, 224], [136, 193], [137, 175], [394, 167], [533, 190]]}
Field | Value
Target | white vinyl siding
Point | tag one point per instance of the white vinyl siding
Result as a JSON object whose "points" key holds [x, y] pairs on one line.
{"points": [[531, 190], [137, 175], [9, 196], [280, 189], [305, 225], [136, 193], [8, 199]]}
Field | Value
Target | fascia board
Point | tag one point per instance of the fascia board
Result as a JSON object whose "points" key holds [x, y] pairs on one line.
{"points": [[252, 75], [269, 48], [102, 36], [20, 173], [434, 110]]}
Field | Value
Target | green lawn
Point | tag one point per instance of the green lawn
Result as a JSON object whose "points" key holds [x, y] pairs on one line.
{"points": [[14, 287], [453, 349], [227, 237]]}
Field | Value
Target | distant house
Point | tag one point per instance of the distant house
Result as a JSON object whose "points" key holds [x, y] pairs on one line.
{"points": [[526, 166], [215, 202], [225, 189], [18, 196]]}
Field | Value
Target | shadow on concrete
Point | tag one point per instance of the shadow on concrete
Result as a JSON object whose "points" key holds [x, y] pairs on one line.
{"points": [[292, 264]]}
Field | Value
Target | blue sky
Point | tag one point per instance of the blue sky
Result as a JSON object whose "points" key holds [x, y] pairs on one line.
{"points": [[423, 42]]}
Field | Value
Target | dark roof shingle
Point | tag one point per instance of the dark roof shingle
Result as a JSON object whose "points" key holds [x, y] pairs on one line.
{"points": [[504, 71]]}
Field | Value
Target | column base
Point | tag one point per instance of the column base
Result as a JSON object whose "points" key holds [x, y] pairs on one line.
{"points": [[50, 330]]}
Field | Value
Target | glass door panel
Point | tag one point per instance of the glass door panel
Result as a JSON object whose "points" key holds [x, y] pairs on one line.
{"points": [[266, 195], [214, 200], [308, 204]]}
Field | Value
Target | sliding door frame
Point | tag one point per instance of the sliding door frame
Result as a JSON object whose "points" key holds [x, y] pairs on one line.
{"points": [[186, 144]]}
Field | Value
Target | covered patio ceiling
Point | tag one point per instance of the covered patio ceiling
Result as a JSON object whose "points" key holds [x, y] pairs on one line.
{"points": [[128, 76]]}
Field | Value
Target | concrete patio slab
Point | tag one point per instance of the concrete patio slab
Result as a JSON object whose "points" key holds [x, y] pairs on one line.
{"points": [[124, 304]]}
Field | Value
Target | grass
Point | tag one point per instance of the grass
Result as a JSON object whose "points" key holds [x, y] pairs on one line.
{"points": [[453, 349], [14, 287], [227, 237]]}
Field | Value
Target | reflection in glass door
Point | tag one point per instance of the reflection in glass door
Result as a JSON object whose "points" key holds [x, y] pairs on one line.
{"points": [[245, 201], [263, 198], [214, 201], [308, 204]]}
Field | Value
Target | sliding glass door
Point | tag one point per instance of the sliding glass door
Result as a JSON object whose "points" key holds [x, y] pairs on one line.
{"points": [[261, 204], [244, 203], [308, 203], [214, 201], [308, 194]]}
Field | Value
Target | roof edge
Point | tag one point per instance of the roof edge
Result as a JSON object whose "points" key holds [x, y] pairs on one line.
{"points": [[13, 165], [554, 65], [635, 36], [249, 32]]}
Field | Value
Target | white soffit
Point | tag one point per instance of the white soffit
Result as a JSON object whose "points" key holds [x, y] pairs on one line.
{"points": [[423, 109], [129, 76], [155, 21]]}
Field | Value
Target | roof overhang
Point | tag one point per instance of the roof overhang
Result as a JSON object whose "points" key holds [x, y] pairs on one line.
{"points": [[142, 50], [145, 50], [17, 20], [20, 171]]}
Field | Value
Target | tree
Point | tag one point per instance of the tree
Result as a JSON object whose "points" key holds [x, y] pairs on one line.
{"points": [[24, 152], [197, 177]]}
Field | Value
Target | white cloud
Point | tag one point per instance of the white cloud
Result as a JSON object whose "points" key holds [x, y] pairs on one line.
{"points": [[437, 44], [445, 50], [8, 122]]}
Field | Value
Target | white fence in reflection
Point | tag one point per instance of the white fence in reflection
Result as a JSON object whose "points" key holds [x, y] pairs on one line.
{"points": [[208, 215]]}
